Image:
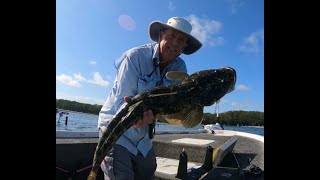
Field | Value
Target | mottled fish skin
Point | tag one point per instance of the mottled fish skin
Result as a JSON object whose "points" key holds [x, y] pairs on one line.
{"points": [[200, 89]]}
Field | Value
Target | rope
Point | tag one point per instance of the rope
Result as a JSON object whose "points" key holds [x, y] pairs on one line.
{"points": [[72, 173], [82, 169], [63, 170]]}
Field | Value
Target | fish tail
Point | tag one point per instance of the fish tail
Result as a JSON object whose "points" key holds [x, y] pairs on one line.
{"points": [[92, 174]]}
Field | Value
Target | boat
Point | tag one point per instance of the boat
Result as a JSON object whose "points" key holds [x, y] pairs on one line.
{"points": [[197, 154], [216, 126]]}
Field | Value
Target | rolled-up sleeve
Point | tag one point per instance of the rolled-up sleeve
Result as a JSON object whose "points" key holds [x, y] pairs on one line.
{"points": [[127, 79]]}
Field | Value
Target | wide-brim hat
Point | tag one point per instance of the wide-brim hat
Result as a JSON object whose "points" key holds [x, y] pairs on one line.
{"points": [[179, 24]]}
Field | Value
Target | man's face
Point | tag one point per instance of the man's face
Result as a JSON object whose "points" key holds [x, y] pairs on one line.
{"points": [[172, 43]]}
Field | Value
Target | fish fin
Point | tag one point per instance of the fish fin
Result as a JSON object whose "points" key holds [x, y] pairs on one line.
{"points": [[172, 119], [162, 94], [194, 117], [92, 175], [176, 75], [132, 107], [189, 117]]}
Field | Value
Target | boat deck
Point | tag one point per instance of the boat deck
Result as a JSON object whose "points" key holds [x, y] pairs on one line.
{"points": [[246, 148], [75, 155]]}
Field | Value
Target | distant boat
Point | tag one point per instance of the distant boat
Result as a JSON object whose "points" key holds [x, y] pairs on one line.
{"points": [[216, 126]]}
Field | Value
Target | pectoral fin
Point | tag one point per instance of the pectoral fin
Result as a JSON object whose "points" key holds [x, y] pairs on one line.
{"points": [[176, 75], [189, 117], [132, 107]]}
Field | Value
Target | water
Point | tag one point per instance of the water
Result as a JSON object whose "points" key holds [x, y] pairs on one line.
{"points": [[77, 121]]}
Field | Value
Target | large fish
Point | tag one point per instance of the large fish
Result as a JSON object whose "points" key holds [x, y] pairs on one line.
{"points": [[179, 104]]}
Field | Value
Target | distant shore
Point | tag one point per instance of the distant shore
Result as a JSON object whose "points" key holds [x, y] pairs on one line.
{"points": [[254, 126]]}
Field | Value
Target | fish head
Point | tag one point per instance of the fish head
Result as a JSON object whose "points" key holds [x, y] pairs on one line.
{"points": [[211, 85]]}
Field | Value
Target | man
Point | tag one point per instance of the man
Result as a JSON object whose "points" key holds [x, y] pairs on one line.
{"points": [[139, 69]]}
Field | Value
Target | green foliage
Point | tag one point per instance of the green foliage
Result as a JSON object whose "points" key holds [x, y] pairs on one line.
{"points": [[79, 107], [232, 118]]}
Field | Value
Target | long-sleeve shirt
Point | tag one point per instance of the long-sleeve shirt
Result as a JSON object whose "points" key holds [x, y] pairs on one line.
{"points": [[137, 70]]}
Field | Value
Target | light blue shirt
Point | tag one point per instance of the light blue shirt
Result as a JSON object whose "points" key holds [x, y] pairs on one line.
{"points": [[137, 70]]}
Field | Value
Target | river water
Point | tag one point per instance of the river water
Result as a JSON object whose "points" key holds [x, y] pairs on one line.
{"points": [[77, 121]]}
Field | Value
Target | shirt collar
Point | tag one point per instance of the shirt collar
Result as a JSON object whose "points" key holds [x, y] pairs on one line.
{"points": [[155, 51]]}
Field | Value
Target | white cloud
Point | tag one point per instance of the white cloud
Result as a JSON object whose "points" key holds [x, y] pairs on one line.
{"points": [[77, 79], [93, 62], [171, 7], [254, 43], [216, 41], [220, 108], [223, 102], [98, 80], [242, 87], [239, 106], [69, 80], [127, 22], [206, 30], [247, 106], [235, 5], [80, 99]]}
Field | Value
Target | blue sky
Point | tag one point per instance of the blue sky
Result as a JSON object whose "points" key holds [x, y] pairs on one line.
{"points": [[91, 34]]}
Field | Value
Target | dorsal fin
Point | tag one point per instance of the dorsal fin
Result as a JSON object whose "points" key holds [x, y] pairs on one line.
{"points": [[176, 75], [163, 94]]}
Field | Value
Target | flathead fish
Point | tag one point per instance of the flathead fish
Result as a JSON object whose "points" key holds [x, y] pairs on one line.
{"points": [[179, 104]]}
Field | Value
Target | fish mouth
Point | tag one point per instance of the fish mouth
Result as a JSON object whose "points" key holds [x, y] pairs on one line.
{"points": [[230, 70]]}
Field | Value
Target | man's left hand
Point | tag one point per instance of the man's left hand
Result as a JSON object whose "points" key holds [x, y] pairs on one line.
{"points": [[148, 116]]}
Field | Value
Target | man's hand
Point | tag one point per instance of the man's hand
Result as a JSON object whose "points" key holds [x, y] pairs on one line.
{"points": [[148, 116]]}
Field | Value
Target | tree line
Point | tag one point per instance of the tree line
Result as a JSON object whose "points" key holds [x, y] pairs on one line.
{"points": [[232, 118], [77, 106]]}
